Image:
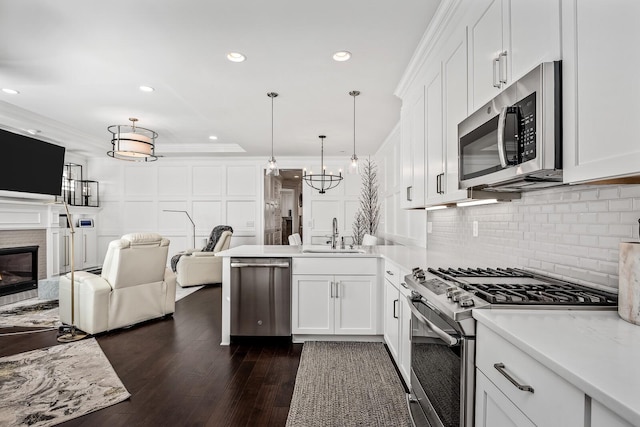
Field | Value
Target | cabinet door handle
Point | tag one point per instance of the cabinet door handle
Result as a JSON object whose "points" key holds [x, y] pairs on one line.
{"points": [[390, 273], [502, 60], [409, 194], [338, 289], [85, 248], [395, 308], [331, 284], [496, 64], [66, 250], [501, 368], [438, 183]]}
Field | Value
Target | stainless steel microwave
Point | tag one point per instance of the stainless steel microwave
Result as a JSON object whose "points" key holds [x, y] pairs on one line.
{"points": [[514, 142]]}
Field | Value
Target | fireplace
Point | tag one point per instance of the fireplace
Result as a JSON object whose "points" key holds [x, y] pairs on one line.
{"points": [[18, 269]]}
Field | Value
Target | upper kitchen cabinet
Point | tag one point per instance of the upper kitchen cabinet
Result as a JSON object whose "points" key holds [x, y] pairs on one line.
{"points": [[412, 129], [601, 90], [446, 105], [508, 38]]}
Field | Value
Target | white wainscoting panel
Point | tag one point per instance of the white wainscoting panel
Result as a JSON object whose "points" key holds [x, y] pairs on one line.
{"points": [[173, 180], [241, 180], [207, 180], [241, 215], [207, 215], [140, 181], [173, 222], [140, 217]]}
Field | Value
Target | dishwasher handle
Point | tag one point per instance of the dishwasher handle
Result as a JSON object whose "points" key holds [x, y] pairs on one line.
{"points": [[259, 264]]}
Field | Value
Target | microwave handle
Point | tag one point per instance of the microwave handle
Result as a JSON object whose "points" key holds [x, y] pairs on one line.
{"points": [[502, 149], [450, 340]]}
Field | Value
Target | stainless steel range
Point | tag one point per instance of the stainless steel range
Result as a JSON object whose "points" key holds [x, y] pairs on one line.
{"points": [[443, 329]]}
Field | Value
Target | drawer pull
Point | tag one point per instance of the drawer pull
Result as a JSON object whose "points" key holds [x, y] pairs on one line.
{"points": [[500, 368]]}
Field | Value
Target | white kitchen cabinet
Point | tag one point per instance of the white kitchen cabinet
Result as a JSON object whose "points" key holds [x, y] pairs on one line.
{"points": [[601, 416], [494, 409], [405, 333], [446, 107], [508, 38], [391, 315], [600, 95], [85, 249], [343, 302], [551, 400], [412, 125]]}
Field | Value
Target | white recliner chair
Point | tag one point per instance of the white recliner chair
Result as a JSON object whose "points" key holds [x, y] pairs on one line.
{"points": [[135, 285], [197, 267]]}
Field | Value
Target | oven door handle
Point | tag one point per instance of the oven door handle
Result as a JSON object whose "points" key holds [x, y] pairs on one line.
{"points": [[450, 340]]}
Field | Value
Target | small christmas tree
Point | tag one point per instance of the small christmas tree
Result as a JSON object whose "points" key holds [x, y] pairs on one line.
{"points": [[367, 217]]}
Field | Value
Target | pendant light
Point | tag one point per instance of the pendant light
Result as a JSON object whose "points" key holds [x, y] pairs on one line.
{"points": [[353, 167], [323, 181], [132, 143], [272, 166]]}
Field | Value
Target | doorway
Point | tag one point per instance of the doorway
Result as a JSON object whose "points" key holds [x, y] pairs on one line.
{"points": [[283, 206]]}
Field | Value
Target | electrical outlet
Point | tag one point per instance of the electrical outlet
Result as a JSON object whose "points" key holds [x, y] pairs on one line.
{"points": [[475, 228], [429, 227]]}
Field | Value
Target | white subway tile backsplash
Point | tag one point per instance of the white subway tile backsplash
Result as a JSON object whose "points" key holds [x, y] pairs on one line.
{"points": [[572, 232]]}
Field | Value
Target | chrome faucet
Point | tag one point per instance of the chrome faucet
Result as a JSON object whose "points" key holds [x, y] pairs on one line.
{"points": [[334, 233]]}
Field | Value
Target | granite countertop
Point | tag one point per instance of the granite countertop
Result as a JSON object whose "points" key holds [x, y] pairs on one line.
{"points": [[595, 350]]}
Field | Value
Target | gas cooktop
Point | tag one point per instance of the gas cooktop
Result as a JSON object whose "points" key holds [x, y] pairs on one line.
{"points": [[509, 286]]}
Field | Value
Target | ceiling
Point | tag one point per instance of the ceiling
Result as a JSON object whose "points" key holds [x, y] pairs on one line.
{"points": [[78, 66]]}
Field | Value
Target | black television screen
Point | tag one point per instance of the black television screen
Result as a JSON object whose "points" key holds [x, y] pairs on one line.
{"points": [[29, 165]]}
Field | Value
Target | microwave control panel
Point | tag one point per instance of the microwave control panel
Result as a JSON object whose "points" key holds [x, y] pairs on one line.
{"points": [[527, 131]]}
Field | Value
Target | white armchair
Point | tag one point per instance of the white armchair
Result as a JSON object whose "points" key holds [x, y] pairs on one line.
{"points": [[135, 285], [197, 267]]}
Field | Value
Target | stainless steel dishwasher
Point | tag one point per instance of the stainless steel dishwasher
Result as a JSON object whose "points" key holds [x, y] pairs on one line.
{"points": [[260, 296]]}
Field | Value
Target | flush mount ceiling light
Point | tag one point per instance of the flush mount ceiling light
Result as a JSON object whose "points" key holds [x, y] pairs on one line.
{"points": [[323, 181], [353, 167], [272, 166], [146, 88], [213, 137], [132, 143], [342, 55], [236, 57], [10, 91]]}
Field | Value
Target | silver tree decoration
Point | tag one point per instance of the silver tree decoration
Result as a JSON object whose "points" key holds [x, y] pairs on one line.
{"points": [[368, 215]]}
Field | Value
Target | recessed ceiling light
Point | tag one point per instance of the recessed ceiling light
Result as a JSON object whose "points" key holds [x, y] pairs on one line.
{"points": [[236, 57], [342, 55], [213, 137], [10, 91], [146, 88]]}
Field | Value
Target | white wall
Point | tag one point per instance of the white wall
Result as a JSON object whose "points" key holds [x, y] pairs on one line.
{"points": [[569, 232], [214, 191]]}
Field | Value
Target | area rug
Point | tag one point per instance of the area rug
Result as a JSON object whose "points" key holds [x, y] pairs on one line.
{"points": [[347, 384], [45, 387], [35, 312]]}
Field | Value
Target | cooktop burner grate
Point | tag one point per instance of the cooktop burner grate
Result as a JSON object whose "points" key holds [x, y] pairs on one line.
{"points": [[479, 272], [562, 294]]}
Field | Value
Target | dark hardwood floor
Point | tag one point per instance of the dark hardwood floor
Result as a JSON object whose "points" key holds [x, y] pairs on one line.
{"points": [[179, 375]]}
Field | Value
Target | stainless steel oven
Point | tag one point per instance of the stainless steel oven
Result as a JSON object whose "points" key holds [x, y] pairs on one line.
{"points": [[443, 330], [442, 370]]}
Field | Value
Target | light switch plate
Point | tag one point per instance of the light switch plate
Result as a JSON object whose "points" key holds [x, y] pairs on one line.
{"points": [[475, 228]]}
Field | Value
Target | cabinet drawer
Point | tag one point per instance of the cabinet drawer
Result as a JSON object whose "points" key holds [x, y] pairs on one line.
{"points": [[343, 265], [392, 273], [553, 401]]}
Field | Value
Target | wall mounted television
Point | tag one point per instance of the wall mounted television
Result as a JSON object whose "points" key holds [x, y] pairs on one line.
{"points": [[30, 165]]}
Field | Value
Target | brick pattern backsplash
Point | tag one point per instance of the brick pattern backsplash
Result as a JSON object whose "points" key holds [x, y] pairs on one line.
{"points": [[17, 238], [570, 232]]}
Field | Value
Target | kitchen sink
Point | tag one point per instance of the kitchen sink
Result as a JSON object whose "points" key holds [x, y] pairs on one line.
{"points": [[327, 250]]}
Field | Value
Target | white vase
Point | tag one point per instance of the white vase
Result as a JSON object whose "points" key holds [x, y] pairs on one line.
{"points": [[629, 282]]}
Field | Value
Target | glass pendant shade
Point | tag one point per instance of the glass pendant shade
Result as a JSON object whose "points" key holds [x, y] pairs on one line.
{"points": [[353, 166], [272, 165]]}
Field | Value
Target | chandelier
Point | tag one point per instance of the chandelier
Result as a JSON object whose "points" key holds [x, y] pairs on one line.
{"points": [[132, 143], [322, 181], [353, 167], [272, 166]]}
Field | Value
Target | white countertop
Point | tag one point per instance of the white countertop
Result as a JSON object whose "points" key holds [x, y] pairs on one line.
{"points": [[596, 351], [406, 257]]}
